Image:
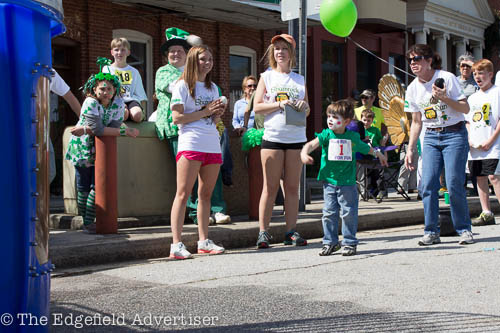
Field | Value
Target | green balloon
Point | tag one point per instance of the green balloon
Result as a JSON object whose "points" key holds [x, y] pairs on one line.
{"points": [[338, 16]]}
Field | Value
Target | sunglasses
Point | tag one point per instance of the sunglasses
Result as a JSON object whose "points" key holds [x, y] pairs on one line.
{"points": [[252, 86], [365, 97], [465, 66], [415, 58]]}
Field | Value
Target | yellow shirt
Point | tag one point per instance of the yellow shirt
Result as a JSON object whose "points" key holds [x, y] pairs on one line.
{"points": [[377, 120]]}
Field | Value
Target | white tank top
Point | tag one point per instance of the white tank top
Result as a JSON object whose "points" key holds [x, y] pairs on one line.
{"points": [[280, 87]]}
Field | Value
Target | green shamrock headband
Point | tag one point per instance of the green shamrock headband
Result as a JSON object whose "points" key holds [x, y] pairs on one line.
{"points": [[88, 87]]}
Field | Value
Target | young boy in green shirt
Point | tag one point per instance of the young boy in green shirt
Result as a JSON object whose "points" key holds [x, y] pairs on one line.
{"points": [[338, 173], [376, 139]]}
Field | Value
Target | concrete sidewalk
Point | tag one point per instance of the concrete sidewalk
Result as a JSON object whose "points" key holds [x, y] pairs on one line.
{"points": [[72, 248]]}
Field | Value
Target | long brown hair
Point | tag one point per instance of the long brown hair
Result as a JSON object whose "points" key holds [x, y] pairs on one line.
{"points": [[190, 74], [427, 52]]}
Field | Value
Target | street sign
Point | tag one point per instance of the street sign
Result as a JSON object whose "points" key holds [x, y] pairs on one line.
{"points": [[290, 9]]}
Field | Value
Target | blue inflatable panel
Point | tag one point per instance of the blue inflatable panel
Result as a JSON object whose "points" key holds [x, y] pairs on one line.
{"points": [[26, 29]]}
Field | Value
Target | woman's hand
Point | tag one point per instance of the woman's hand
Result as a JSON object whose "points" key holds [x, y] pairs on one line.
{"points": [[439, 93], [213, 108], [301, 105], [409, 159]]}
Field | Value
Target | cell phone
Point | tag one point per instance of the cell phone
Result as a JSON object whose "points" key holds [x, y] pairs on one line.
{"points": [[439, 83]]}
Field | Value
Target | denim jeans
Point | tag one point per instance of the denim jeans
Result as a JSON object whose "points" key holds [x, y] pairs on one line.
{"points": [[85, 179], [340, 201], [448, 149]]}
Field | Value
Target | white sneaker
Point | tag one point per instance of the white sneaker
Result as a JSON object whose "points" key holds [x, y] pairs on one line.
{"points": [[221, 218], [208, 246], [466, 238], [179, 251]]}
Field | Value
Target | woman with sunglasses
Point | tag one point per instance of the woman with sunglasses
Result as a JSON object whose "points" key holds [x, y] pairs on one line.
{"points": [[439, 108], [469, 86], [248, 85]]}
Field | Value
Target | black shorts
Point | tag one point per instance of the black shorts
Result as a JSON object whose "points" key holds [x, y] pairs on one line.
{"points": [[281, 146], [131, 104], [481, 168]]}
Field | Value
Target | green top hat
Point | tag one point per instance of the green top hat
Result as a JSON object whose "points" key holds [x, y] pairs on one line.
{"points": [[175, 36]]}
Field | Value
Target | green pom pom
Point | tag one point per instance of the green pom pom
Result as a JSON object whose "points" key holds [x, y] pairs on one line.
{"points": [[252, 138]]}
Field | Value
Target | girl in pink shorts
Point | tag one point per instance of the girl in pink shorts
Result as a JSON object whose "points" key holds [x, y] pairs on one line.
{"points": [[196, 109]]}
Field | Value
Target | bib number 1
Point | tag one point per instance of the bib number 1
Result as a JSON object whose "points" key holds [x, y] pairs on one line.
{"points": [[340, 150]]}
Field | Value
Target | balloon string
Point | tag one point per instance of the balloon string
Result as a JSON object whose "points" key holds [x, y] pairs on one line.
{"points": [[376, 56]]}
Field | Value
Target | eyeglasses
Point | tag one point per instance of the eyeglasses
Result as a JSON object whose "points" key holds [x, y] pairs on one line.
{"points": [[252, 86], [465, 66], [415, 58], [365, 97]]}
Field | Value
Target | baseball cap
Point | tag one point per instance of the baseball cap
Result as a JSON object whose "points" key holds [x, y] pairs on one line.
{"points": [[367, 93], [286, 37]]}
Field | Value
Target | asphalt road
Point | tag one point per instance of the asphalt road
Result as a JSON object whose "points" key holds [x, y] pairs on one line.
{"points": [[392, 285]]}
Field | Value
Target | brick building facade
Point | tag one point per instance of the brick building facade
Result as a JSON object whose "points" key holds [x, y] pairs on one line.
{"points": [[90, 25]]}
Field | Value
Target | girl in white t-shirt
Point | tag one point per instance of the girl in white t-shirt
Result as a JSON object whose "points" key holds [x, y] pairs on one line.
{"points": [[440, 111], [196, 108], [280, 88]]}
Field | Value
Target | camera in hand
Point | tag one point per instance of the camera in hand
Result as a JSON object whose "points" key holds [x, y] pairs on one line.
{"points": [[440, 84]]}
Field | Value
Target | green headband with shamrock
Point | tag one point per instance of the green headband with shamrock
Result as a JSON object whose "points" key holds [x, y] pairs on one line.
{"points": [[94, 79]]}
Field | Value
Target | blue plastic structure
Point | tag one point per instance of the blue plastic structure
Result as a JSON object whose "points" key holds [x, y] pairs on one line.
{"points": [[26, 30]]}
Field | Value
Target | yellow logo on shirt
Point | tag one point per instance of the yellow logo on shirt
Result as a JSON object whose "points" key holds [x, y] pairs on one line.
{"points": [[282, 96], [430, 113], [486, 113]]}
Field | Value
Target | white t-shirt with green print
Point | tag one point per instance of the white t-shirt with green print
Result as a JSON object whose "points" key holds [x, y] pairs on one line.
{"points": [[200, 135]]}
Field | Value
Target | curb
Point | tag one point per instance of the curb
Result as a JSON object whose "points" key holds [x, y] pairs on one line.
{"points": [[154, 242]]}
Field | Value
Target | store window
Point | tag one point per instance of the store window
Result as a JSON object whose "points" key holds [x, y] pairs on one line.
{"points": [[366, 71], [141, 58], [242, 62]]}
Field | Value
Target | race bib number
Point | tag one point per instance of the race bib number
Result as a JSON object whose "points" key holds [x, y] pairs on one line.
{"points": [[340, 150], [125, 76]]}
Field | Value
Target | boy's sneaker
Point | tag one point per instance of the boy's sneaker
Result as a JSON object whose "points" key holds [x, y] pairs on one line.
{"points": [[221, 218], [293, 238], [466, 238], [208, 246], [429, 239], [264, 240], [349, 250], [328, 249], [484, 219], [179, 251]]}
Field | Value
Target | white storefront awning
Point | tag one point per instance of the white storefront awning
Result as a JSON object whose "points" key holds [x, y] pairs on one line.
{"points": [[466, 19]]}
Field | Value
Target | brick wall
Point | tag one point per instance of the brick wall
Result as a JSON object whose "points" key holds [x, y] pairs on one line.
{"points": [[91, 23]]}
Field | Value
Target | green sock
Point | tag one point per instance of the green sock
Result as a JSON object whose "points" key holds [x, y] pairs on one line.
{"points": [[90, 209], [81, 201]]}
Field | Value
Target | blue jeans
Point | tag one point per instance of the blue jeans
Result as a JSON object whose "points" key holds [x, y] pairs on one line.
{"points": [[340, 201], [448, 149], [85, 179]]}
